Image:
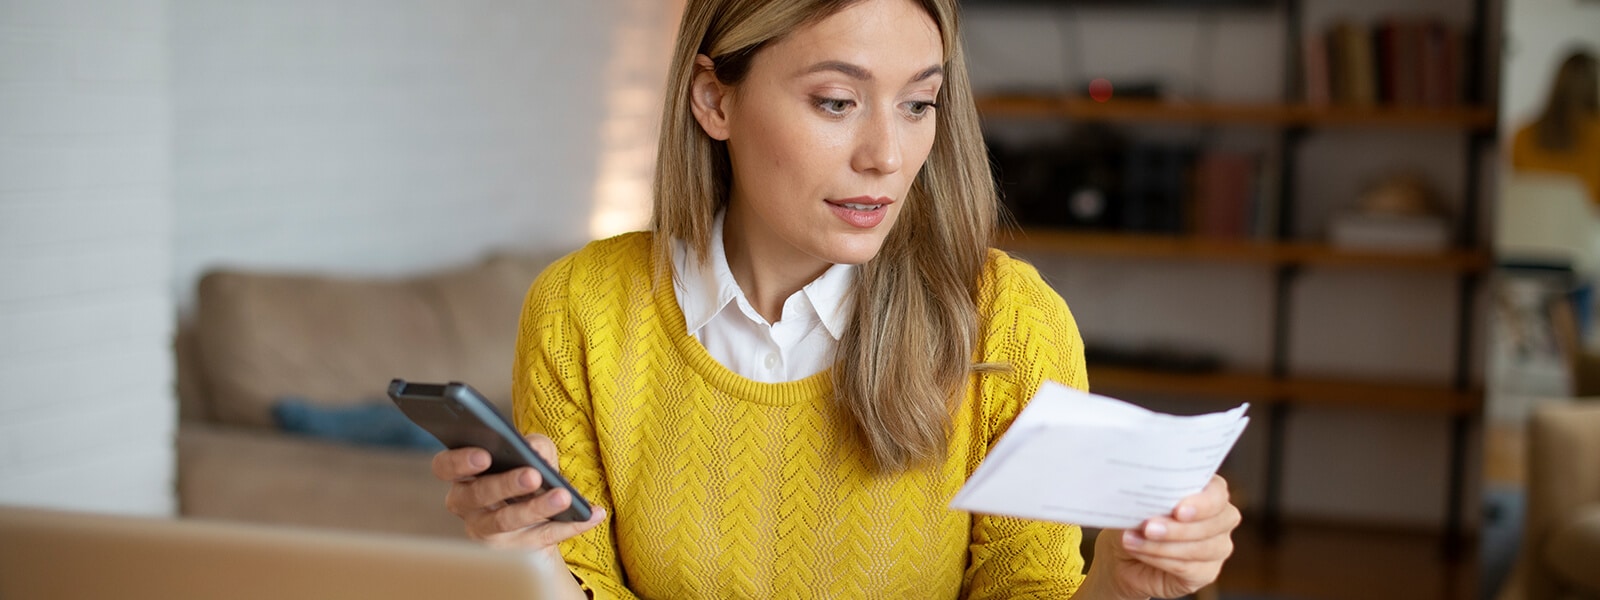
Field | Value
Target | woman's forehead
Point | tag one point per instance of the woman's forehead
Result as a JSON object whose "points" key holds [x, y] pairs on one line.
{"points": [[888, 38]]}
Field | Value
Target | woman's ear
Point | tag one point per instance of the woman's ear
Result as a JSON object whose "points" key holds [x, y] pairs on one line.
{"points": [[708, 98]]}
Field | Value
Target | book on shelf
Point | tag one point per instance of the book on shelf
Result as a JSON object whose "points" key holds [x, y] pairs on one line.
{"points": [[1264, 205], [1356, 62], [1398, 61], [1224, 189], [1443, 86], [1314, 53], [1150, 188], [1235, 196], [1207, 193]]}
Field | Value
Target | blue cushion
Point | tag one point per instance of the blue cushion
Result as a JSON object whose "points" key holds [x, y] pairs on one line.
{"points": [[368, 424]]}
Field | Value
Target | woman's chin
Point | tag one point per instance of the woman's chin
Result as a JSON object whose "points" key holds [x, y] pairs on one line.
{"points": [[854, 251]]}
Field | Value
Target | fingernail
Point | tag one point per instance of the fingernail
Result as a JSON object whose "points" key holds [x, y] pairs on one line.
{"points": [[1185, 512], [478, 460], [525, 480], [1131, 539], [1155, 530]]}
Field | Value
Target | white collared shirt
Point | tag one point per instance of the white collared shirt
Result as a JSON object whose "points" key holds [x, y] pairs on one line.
{"points": [[717, 313]]}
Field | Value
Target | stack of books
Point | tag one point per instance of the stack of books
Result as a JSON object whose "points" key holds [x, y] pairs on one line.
{"points": [[1210, 193], [1409, 62]]}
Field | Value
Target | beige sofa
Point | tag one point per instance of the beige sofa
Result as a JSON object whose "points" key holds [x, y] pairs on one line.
{"points": [[258, 337], [1560, 551]]}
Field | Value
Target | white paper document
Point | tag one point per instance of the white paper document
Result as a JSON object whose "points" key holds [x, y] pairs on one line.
{"points": [[1076, 457]]}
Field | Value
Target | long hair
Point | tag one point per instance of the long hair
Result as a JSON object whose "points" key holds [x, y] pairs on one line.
{"points": [[906, 355], [1574, 100]]}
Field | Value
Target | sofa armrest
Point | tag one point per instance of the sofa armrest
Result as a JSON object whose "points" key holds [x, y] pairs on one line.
{"points": [[1563, 476], [1573, 551], [1563, 462], [250, 474]]}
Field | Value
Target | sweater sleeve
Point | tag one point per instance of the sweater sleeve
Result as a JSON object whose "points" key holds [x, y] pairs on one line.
{"points": [[1029, 328], [550, 396]]}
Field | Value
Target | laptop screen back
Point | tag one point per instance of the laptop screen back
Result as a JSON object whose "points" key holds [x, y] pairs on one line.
{"points": [[52, 554]]}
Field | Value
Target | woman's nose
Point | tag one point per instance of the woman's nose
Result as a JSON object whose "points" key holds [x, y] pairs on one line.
{"points": [[878, 144]]}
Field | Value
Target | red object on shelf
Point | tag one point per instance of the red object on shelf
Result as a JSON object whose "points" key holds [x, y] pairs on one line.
{"points": [[1100, 89]]}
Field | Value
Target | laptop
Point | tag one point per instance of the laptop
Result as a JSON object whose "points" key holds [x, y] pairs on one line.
{"points": [[53, 554]]}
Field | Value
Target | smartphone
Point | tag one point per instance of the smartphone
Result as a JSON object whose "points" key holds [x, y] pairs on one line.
{"points": [[459, 417]]}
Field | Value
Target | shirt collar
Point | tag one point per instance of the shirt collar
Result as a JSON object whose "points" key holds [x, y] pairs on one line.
{"points": [[705, 289], [830, 297]]}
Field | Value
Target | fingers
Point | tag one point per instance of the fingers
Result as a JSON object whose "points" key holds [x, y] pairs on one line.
{"points": [[471, 492], [1149, 550], [533, 514], [506, 518], [482, 493], [1212, 500], [1195, 572], [549, 533], [544, 446], [1194, 540], [1164, 529], [507, 509], [459, 464]]}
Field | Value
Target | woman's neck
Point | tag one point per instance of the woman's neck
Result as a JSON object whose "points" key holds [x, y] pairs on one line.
{"points": [[768, 273]]}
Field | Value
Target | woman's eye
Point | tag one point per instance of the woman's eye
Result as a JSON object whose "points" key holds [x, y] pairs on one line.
{"points": [[834, 106], [920, 108]]}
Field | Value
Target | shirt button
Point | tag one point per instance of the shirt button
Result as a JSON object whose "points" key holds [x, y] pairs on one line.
{"points": [[772, 360]]}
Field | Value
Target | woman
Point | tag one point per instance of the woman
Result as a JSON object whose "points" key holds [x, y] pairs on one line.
{"points": [[1566, 136], [778, 391]]}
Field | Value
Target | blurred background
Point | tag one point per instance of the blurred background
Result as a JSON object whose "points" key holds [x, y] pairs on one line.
{"points": [[1374, 222]]}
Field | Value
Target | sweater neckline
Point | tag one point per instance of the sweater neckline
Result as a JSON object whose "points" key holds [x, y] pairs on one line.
{"points": [[786, 393]]}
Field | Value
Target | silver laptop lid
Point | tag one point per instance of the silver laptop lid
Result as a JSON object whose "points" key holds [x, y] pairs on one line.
{"points": [[53, 554]]}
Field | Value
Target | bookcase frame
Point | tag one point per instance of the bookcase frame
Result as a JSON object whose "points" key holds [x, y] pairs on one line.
{"points": [[1278, 392]]}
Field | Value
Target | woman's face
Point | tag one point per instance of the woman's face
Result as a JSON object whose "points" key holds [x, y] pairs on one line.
{"points": [[827, 132]]}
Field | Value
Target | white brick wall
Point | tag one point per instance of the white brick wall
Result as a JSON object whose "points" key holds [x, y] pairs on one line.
{"points": [[143, 141], [1539, 35], [384, 136], [85, 256]]}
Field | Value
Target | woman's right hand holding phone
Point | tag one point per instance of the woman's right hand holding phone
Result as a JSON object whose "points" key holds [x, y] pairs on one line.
{"points": [[507, 510]]}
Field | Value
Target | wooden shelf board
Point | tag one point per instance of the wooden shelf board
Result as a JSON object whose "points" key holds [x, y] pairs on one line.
{"points": [[1240, 251], [1071, 107], [1143, 246], [1464, 261], [1398, 396], [1232, 386], [1262, 388]]}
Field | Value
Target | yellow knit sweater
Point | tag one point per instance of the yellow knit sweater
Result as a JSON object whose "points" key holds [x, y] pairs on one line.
{"points": [[723, 487]]}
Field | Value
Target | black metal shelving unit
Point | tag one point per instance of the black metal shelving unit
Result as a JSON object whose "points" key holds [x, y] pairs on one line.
{"points": [[1282, 391]]}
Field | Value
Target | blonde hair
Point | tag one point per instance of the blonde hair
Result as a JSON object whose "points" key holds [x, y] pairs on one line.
{"points": [[906, 355]]}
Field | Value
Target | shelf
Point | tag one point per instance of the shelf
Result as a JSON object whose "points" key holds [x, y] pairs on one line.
{"points": [[1279, 115], [1264, 389], [1223, 385], [1193, 248]]}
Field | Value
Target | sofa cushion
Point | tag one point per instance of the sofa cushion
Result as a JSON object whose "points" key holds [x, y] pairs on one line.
{"points": [[246, 474], [379, 424], [339, 340], [1573, 550]]}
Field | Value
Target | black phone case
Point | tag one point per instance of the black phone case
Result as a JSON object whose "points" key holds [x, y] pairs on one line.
{"points": [[459, 417]]}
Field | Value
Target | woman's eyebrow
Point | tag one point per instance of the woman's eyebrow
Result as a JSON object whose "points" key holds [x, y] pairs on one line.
{"points": [[861, 73], [928, 73]]}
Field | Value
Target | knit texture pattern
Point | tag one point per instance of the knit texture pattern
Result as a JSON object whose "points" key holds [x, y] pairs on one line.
{"points": [[723, 487]]}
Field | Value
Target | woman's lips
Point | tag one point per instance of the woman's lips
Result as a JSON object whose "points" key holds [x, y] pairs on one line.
{"points": [[862, 212]]}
